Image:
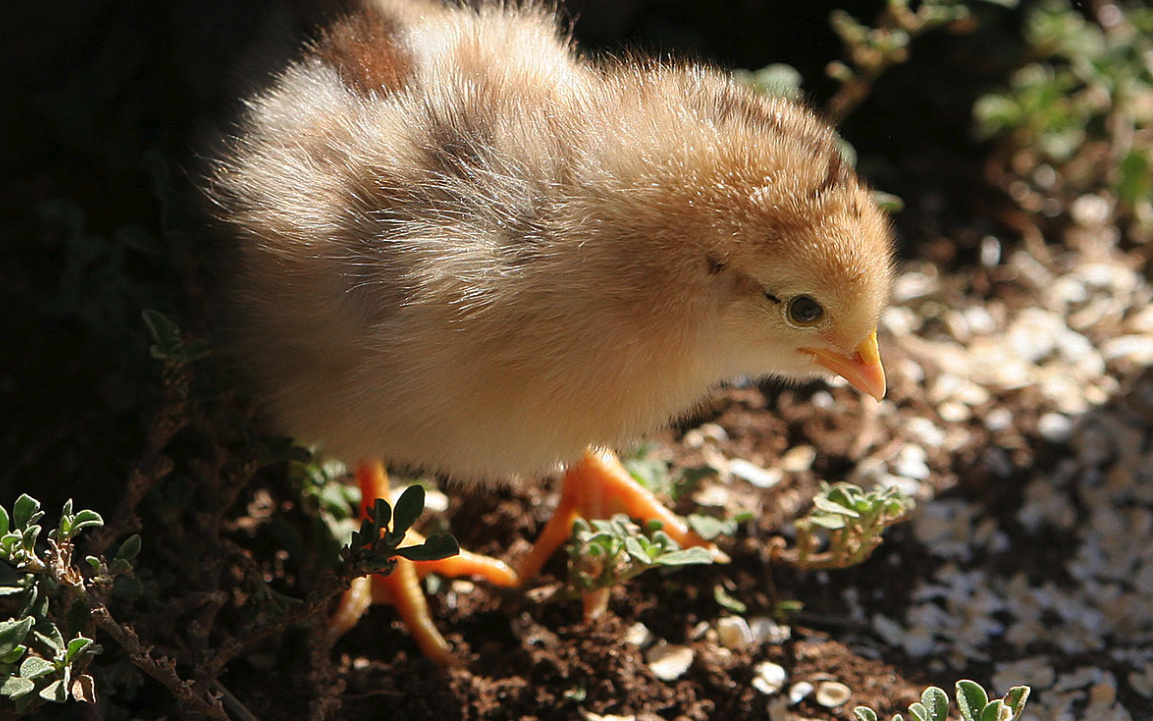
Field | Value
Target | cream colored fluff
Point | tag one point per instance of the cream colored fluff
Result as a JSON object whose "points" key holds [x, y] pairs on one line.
{"points": [[466, 248]]}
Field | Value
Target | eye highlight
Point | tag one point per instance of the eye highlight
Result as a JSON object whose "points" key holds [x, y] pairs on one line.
{"points": [[803, 310]]}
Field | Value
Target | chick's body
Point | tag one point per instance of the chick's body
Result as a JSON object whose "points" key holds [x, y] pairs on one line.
{"points": [[467, 249]]}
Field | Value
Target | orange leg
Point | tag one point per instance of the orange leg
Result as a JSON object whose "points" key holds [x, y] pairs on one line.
{"points": [[401, 588], [598, 486]]}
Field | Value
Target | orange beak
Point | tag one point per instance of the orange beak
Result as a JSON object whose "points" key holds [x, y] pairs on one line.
{"points": [[862, 369]]}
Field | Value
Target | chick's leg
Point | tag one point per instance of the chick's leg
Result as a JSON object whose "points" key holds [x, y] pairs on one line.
{"points": [[598, 487], [401, 588]]}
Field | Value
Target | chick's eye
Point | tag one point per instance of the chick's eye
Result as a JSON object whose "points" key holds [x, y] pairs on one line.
{"points": [[803, 310]]}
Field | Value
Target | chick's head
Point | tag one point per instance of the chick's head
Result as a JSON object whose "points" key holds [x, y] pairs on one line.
{"points": [[756, 210]]}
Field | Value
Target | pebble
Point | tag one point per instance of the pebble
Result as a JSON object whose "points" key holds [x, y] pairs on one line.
{"points": [[767, 630], [910, 463], [669, 662], [1137, 349], [832, 694], [798, 459], [639, 635], [799, 691], [769, 678], [754, 474], [1055, 428], [734, 632], [1090, 210], [914, 284]]}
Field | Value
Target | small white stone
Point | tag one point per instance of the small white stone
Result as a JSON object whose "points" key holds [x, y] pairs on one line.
{"points": [[1091, 211], [734, 632], [925, 432], [954, 412], [832, 694], [914, 285], [693, 438], [435, 500], [990, 251], [638, 635], [769, 678], [823, 400], [799, 691], [998, 419], [1137, 349], [712, 495], [1054, 427], [798, 459], [767, 630], [669, 662], [910, 463], [713, 432], [754, 474]]}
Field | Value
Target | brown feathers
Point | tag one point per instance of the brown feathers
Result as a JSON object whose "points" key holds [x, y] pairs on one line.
{"points": [[468, 249]]}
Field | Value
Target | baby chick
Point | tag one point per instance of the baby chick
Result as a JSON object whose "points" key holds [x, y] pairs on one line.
{"points": [[465, 248]]}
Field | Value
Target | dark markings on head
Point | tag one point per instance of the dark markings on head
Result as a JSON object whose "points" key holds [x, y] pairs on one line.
{"points": [[364, 50], [836, 173]]}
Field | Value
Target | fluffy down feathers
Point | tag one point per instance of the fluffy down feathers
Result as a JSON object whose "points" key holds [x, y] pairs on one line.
{"points": [[466, 248]]}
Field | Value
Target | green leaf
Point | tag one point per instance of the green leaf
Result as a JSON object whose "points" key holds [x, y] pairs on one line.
{"points": [[434, 548], [56, 692], [3, 521], [25, 511], [829, 506], [832, 523], [686, 556], [936, 703], [1016, 699], [971, 699], [408, 508], [14, 655], [34, 667], [76, 647], [864, 713], [85, 519], [640, 553], [48, 634], [992, 711], [12, 633], [724, 600], [709, 528], [918, 711], [130, 549], [14, 687]]}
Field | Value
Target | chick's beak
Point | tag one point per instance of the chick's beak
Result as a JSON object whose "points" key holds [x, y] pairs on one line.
{"points": [[862, 369]]}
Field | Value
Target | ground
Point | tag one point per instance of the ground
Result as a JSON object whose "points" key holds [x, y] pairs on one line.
{"points": [[1019, 349]]}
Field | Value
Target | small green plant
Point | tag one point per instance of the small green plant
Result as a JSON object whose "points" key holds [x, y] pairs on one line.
{"points": [[972, 700], [168, 344], [606, 553], [376, 546], [873, 50], [44, 653], [853, 519], [1077, 116]]}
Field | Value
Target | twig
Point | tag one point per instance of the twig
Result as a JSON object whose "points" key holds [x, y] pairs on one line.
{"points": [[162, 669]]}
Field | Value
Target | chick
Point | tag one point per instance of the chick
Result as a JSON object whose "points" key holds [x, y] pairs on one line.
{"points": [[465, 248]]}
